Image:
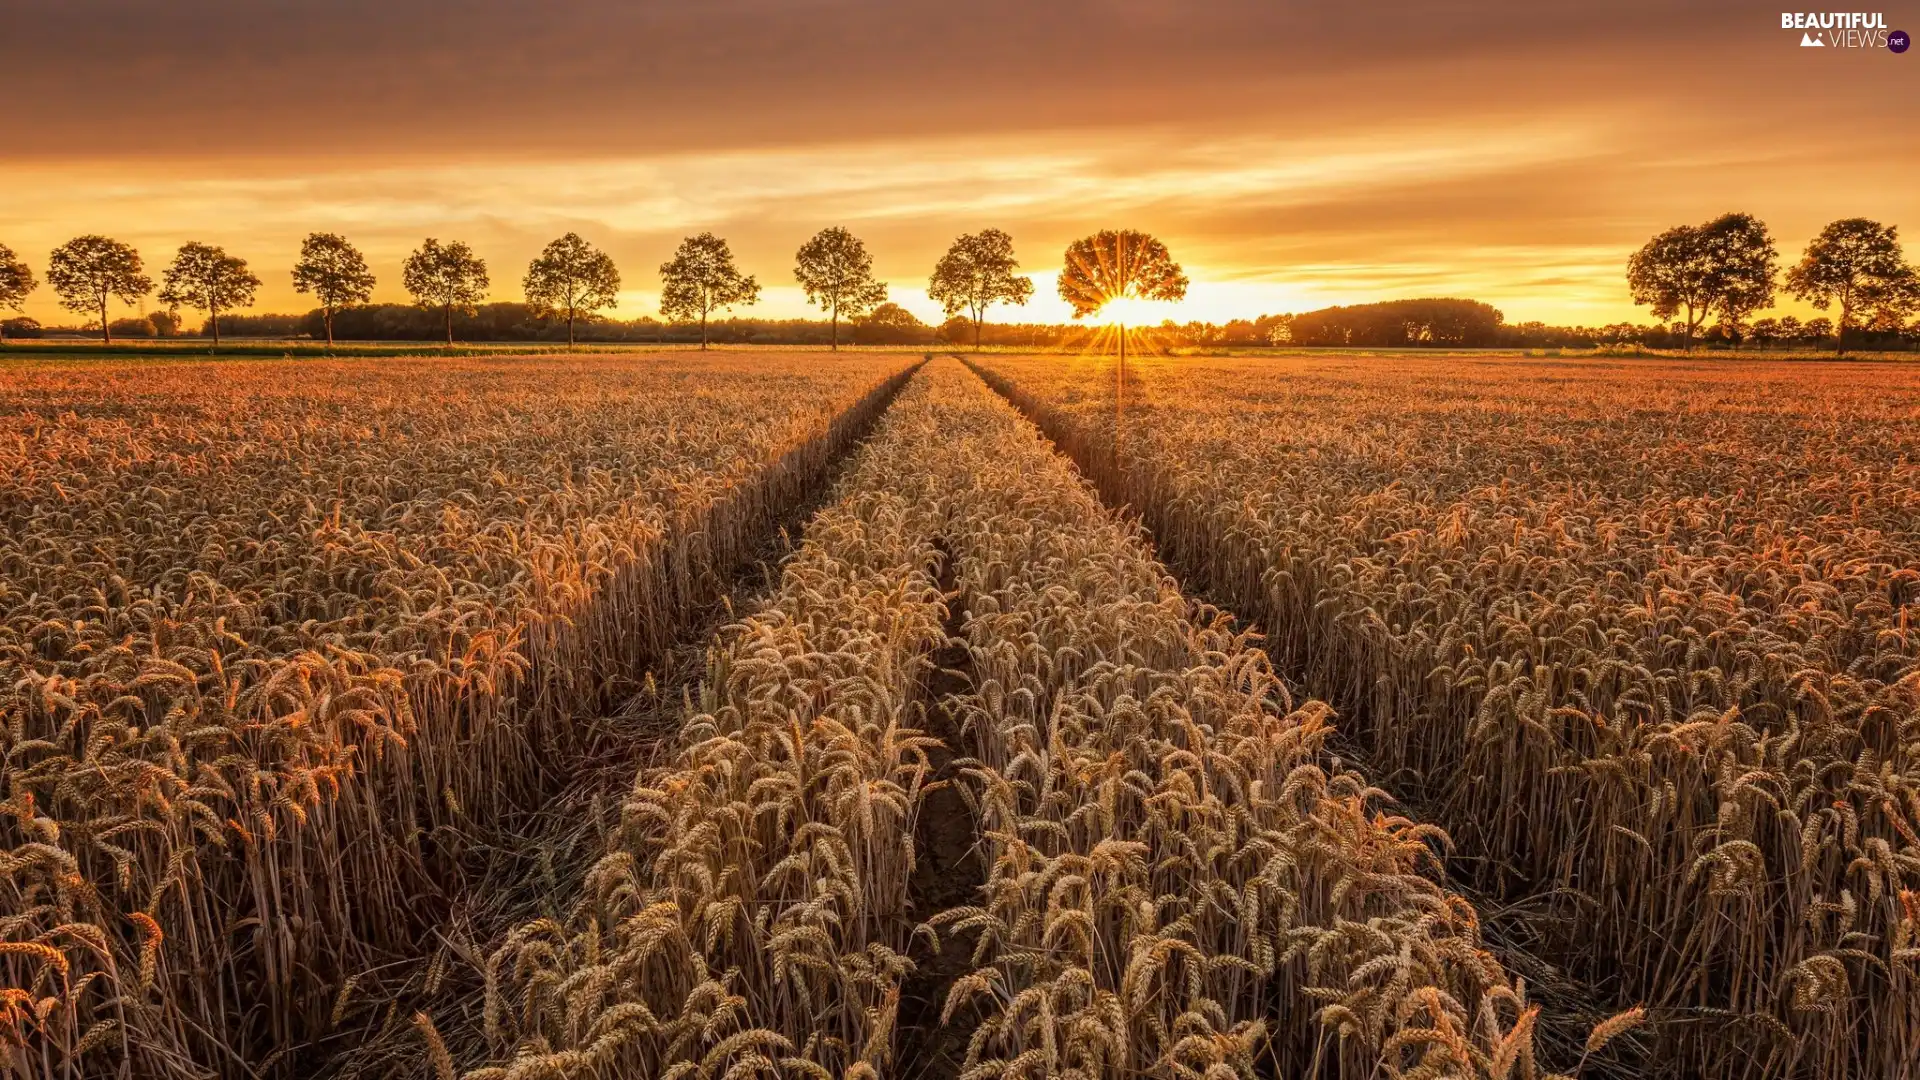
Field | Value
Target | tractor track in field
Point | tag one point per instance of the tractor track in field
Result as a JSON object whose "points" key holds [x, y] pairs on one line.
{"points": [[534, 864], [947, 870]]}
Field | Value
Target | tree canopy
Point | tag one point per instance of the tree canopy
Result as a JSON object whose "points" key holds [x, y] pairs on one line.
{"points": [[1726, 265], [1115, 265], [837, 274], [1745, 264], [445, 276], [891, 324], [700, 279], [16, 280], [976, 273], [572, 277], [335, 272], [88, 271], [1673, 272], [1400, 323], [1857, 263], [206, 277]]}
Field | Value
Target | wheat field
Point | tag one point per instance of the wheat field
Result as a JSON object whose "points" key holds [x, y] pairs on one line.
{"points": [[777, 715], [1636, 634], [281, 643]]}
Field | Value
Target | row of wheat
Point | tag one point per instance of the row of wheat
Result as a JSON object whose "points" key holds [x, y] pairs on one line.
{"points": [[280, 643], [751, 910], [1180, 882], [1638, 637]]}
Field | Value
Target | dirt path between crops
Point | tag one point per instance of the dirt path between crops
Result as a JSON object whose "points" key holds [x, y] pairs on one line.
{"points": [[947, 872]]}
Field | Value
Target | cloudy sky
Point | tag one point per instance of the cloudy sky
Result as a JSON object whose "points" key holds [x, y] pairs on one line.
{"points": [[1290, 154]]}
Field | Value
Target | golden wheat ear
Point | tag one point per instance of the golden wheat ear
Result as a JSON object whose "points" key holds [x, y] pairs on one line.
{"points": [[436, 1047]]}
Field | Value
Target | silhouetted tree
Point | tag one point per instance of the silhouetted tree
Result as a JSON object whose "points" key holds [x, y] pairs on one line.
{"points": [[1115, 265], [16, 282], [1892, 306], [572, 276], [87, 271], [335, 273], [445, 276], [891, 324], [1441, 322], [1858, 263], [1744, 262], [701, 279], [837, 274], [1674, 272], [976, 273], [206, 277]]}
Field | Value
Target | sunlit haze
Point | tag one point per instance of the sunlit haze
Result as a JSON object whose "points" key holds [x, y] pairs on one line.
{"points": [[1291, 156]]}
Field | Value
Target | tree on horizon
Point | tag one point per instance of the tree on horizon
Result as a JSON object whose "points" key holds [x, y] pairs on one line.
{"points": [[445, 276], [1726, 265], [572, 276], [1673, 273], [1115, 265], [88, 271], [977, 272], [16, 284], [335, 272], [837, 274], [206, 277], [700, 279], [1858, 263], [891, 324], [1118, 264], [1746, 265]]}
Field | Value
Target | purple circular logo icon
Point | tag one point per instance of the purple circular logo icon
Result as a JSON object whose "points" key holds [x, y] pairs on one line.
{"points": [[1899, 40]]}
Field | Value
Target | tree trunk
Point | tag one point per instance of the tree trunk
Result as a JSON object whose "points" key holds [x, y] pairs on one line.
{"points": [[106, 332], [329, 321], [703, 330], [446, 310], [836, 328], [213, 320], [569, 329], [1119, 390], [976, 333], [1840, 332]]}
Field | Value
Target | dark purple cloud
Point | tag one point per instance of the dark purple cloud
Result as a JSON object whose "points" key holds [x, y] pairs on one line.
{"points": [[112, 77]]}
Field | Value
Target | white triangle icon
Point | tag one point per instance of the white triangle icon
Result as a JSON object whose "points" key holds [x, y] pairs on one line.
{"points": [[1808, 41]]}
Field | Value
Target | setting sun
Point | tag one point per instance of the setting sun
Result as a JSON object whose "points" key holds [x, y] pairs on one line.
{"points": [[1133, 311]]}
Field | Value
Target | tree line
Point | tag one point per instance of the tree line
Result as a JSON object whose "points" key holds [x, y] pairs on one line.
{"points": [[1437, 322], [518, 321], [570, 281], [1729, 268], [1726, 269]]}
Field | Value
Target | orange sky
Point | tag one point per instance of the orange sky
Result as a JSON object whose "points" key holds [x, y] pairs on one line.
{"points": [[1290, 155]]}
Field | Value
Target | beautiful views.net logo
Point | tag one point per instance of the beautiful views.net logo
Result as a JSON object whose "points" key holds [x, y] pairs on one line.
{"points": [[1845, 30]]}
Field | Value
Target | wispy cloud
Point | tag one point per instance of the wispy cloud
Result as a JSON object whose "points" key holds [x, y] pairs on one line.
{"points": [[909, 196], [1291, 154]]}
